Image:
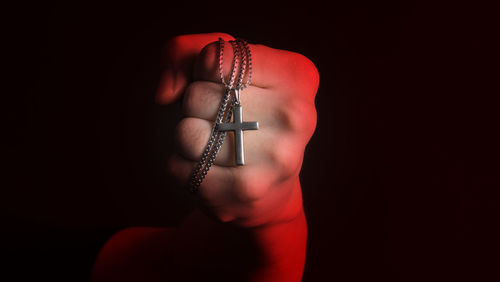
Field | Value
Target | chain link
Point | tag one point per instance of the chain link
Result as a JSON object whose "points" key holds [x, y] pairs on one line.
{"points": [[248, 56], [236, 51], [242, 60]]}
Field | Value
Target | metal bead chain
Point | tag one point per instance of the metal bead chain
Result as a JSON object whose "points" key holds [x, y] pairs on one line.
{"points": [[242, 58], [248, 54], [213, 145], [243, 63], [236, 52]]}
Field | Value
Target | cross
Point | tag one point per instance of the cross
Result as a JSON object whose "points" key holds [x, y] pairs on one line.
{"points": [[238, 126]]}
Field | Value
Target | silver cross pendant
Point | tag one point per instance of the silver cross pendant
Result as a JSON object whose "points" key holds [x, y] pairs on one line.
{"points": [[238, 126]]}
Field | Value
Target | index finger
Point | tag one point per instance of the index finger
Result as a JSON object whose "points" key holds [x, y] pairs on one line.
{"points": [[272, 68], [180, 54]]}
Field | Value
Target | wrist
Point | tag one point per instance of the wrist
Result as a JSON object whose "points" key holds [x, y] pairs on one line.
{"points": [[277, 235], [282, 248]]}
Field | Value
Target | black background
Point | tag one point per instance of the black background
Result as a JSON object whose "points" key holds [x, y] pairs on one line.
{"points": [[398, 179]]}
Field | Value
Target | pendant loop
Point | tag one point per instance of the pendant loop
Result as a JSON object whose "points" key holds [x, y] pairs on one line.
{"points": [[237, 96]]}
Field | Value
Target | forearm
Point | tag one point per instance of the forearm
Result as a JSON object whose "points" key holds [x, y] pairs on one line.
{"points": [[270, 252]]}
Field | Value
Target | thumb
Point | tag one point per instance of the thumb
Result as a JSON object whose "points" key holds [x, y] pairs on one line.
{"points": [[180, 55]]}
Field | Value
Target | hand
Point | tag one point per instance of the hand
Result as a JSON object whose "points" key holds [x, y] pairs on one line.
{"points": [[266, 189]]}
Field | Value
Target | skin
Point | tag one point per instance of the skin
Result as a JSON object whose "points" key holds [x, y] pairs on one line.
{"points": [[258, 205]]}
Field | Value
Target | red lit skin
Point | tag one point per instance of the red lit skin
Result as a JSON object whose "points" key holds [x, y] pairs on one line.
{"points": [[263, 197]]}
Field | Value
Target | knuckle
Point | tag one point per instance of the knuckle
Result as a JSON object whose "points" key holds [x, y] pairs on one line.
{"points": [[188, 98], [308, 68], [247, 189], [200, 99], [310, 123], [190, 137], [191, 97], [207, 61], [283, 117], [286, 158], [305, 73], [302, 117]]}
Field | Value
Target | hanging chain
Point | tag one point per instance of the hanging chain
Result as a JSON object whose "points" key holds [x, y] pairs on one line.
{"points": [[242, 60]]}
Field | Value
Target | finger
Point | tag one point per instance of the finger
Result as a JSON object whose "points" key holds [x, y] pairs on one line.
{"points": [[180, 55], [272, 68], [224, 185], [221, 177], [202, 100], [234, 193], [192, 136], [262, 147]]}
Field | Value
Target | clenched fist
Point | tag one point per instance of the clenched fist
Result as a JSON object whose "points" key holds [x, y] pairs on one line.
{"points": [[262, 199], [281, 98]]}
